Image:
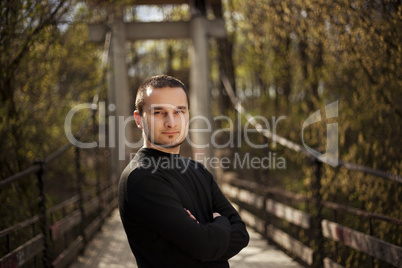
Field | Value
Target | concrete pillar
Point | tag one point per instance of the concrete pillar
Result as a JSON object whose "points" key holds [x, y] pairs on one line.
{"points": [[200, 100], [119, 100]]}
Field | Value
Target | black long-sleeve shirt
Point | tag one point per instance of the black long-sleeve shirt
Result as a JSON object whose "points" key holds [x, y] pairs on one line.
{"points": [[154, 190]]}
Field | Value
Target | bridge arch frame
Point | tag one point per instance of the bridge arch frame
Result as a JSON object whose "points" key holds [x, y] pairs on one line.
{"points": [[199, 29]]}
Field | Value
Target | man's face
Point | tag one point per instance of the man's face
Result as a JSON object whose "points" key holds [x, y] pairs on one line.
{"points": [[165, 118]]}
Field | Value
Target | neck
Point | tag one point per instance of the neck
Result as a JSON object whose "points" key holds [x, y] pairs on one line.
{"points": [[169, 150]]}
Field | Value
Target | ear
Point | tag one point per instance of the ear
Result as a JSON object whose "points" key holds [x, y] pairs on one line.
{"points": [[138, 120]]}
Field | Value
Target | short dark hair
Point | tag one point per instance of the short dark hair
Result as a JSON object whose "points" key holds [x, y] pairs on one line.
{"points": [[158, 81]]}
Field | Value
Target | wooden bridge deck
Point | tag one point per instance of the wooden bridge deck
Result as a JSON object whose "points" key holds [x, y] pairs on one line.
{"points": [[110, 249]]}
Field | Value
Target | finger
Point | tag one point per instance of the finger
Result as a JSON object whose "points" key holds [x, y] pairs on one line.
{"points": [[191, 215]]}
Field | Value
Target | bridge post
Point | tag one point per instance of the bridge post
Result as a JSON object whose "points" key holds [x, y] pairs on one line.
{"points": [[199, 92], [42, 208], [118, 99], [80, 178], [317, 198], [97, 166]]}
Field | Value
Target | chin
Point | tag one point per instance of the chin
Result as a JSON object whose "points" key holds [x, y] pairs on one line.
{"points": [[169, 144]]}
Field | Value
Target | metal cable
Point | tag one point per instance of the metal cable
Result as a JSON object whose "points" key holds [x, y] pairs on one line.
{"points": [[297, 147]]}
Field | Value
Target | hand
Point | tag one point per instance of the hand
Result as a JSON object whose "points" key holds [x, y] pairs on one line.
{"points": [[216, 214], [191, 215]]}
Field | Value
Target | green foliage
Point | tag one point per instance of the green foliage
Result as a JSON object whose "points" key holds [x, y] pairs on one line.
{"points": [[294, 57], [47, 67], [45, 71], [290, 58]]}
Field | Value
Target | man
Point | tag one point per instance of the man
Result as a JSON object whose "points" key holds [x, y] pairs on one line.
{"points": [[172, 210]]}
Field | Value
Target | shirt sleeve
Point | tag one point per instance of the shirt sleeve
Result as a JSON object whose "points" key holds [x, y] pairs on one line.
{"points": [[156, 204], [239, 236]]}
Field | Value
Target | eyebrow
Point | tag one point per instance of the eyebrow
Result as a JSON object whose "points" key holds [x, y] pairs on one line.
{"points": [[182, 107]]}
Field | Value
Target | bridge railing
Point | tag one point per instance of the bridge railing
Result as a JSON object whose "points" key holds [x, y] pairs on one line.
{"points": [[55, 235], [261, 209], [309, 228], [52, 234]]}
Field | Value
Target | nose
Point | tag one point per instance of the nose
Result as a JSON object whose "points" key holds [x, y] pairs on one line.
{"points": [[170, 121]]}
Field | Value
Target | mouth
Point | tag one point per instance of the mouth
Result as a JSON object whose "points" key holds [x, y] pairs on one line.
{"points": [[170, 132]]}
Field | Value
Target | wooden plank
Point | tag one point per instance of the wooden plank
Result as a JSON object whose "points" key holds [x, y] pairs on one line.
{"points": [[243, 196], [216, 28], [19, 225], [360, 212], [92, 228], [91, 206], [69, 254], [160, 2], [253, 186], [170, 2], [243, 183], [251, 198], [97, 32], [64, 204], [363, 242], [62, 226], [19, 175], [107, 209], [23, 253], [252, 221], [295, 216], [158, 30], [230, 191], [105, 195], [291, 244], [110, 191], [328, 263]]}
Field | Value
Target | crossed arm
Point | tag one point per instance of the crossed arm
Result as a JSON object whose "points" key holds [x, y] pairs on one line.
{"points": [[239, 237], [214, 215], [161, 210]]}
